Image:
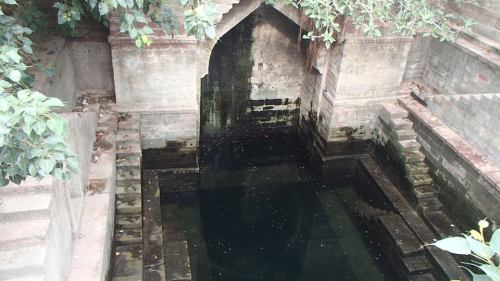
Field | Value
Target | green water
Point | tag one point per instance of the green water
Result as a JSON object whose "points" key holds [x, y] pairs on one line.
{"points": [[271, 217]]}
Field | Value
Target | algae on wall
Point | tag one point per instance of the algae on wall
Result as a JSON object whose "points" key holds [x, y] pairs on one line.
{"points": [[254, 80]]}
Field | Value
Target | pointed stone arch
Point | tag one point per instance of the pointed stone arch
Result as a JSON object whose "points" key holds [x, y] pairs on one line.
{"points": [[232, 18]]}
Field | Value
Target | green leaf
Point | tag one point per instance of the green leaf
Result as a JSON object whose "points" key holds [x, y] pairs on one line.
{"points": [[103, 8], [47, 165], [492, 271], [495, 242], [54, 102], [14, 75], [56, 125], [92, 3], [10, 2], [479, 248], [40, 127], [455, 245]]}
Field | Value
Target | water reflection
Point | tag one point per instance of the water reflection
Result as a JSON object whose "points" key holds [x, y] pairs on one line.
{"points": [[268, 217]]}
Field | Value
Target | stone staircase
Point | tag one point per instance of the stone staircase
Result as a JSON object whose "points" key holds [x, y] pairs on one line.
{"points": [[403, 145], [24, 224], [127, 264], [475, 117]]}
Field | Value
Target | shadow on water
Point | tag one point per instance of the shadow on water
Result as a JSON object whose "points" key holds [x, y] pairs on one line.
{"points": [[262, 212]]}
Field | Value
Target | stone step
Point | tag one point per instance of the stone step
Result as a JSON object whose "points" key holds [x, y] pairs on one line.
{"points": [[408, 145], [424, 191], [419, 179], [128, 160], [422, 277], [412, 156], [25, 207], [128, 236], [416, 264], [127, 136], [128, 173], [128, 148], [128, 278], [129, 221], [441, 223], [153, 229], [30, 185], [127, 262], [23, 233], [429, 204], [129, 122], [34, 277], [128, 206], [404, 240], [401, 124], [405, 135], [177, 265], [22, 262], [390, 111], [418, 167], [128, 188]]}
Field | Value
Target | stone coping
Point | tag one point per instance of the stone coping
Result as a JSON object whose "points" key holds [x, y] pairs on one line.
{"points": [[456, 143]]}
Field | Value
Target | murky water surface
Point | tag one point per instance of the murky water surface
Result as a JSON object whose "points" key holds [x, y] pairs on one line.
{"points": [[259, 213]]}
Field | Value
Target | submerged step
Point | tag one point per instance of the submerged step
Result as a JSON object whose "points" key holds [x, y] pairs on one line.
{"points": [[402, 238]]}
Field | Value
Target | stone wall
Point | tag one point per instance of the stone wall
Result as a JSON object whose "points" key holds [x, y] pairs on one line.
{"points": [[92, 66], [469, 184], [474, 117], [454, 69], [164, 86], [55, 51], [417, 58]]}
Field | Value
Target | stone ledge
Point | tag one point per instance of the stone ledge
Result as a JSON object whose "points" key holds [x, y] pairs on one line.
{"points": [[456, 143]]}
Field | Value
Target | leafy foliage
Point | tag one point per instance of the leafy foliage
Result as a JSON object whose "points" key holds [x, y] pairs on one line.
{"points": [[407, 17], [32, 136], [485, 254]]}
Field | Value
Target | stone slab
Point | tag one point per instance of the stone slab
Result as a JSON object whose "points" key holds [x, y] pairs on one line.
{"points": [[128, 173], [416, 264], [128, 206], [128, 236], [129, 221], [18, 233], [441, 223], [128, 148], [22, 261], [177, 261], [422, 277], [128, 160], [128, 188], [128, 261], [25, 207], [429, 204], [401, 235]]}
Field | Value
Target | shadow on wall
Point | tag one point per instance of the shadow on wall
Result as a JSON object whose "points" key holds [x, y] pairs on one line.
{"points": [[255, 78]]}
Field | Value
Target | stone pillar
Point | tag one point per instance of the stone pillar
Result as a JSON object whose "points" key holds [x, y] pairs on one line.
{"points": [[362, 73]]}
